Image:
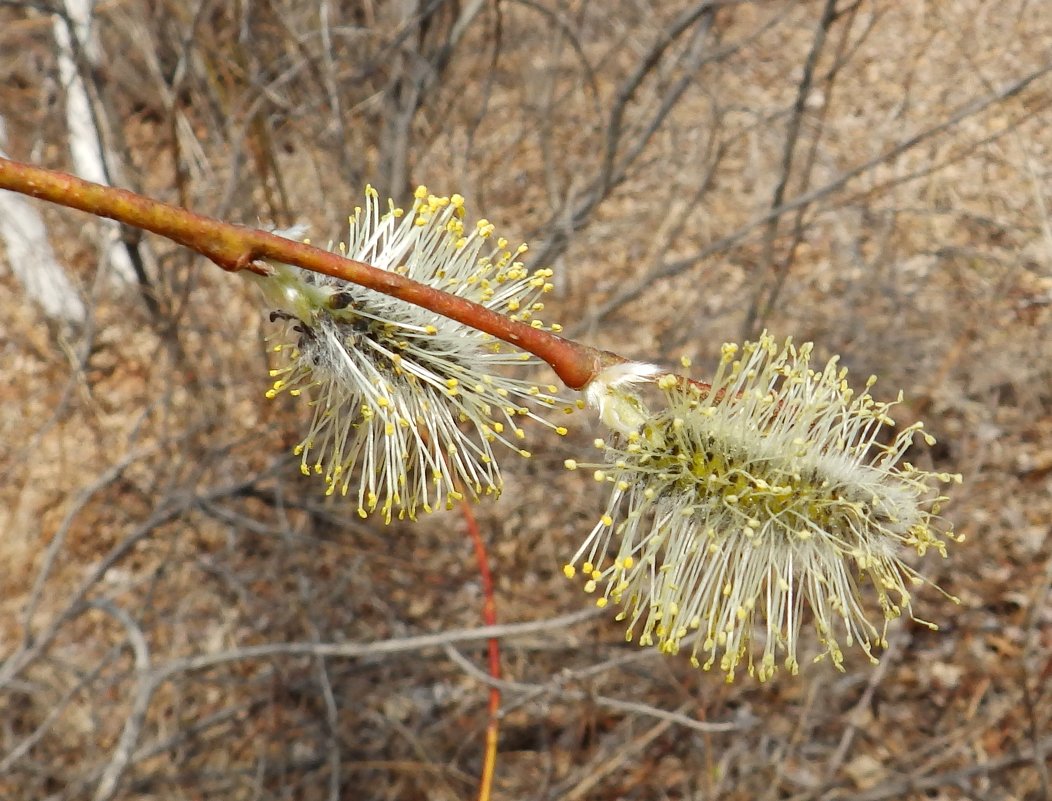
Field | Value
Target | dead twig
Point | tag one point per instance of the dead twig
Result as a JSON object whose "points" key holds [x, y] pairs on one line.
{"points": [[792, 134], [553, 690]]}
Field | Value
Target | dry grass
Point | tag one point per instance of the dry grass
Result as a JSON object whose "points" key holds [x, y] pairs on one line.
{"points": [[151, 514]]}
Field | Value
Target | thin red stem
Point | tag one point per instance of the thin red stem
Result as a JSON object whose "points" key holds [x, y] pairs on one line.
{"points": [[489, 617], [235, 247]]}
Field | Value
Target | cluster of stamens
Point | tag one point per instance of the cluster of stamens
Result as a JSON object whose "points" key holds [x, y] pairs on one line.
{"points": [[767, 496], [408, 404]]}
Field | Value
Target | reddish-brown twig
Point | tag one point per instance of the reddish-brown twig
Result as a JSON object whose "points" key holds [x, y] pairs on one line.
{"points": [[236, 247]]}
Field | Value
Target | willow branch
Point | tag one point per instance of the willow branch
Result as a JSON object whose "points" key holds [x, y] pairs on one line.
{"points": [[236, 247]]}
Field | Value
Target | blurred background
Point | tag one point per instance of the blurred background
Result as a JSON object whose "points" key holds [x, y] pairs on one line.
{"points": [[873, 176]]}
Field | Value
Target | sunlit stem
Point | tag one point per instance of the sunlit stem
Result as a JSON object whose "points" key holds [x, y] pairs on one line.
{"points": [[236, 247]]}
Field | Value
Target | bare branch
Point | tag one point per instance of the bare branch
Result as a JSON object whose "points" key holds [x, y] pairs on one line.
{"points": [[680, 266]]}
